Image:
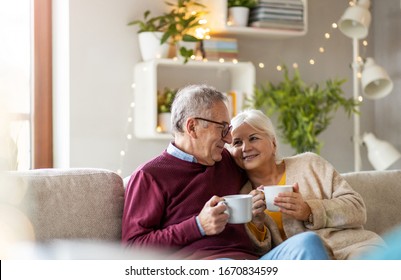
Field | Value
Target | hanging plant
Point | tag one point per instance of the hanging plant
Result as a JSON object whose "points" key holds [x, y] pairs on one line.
{"points": [[302, 111]]}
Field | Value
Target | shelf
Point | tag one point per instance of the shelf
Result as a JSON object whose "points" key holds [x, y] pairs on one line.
{"points": [[154, 75], [217, 19]]}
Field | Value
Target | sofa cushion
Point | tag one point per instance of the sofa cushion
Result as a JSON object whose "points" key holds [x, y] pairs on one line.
{"points": [[381, 191], [73, 203]]}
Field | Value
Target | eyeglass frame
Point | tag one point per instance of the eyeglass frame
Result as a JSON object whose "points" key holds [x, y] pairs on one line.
{"points": [[226, 126]]}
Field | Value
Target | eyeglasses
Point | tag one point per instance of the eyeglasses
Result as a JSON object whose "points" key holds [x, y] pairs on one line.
{"points": [[226, 126]]}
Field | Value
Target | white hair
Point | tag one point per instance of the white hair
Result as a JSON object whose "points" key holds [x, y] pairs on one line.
{"points": [[257, 120]]}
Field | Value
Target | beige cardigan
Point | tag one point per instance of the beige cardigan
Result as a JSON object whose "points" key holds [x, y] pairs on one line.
{"points": [[338, 211]]}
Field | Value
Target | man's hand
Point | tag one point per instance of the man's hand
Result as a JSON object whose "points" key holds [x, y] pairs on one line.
{"points": [[212, 217]]}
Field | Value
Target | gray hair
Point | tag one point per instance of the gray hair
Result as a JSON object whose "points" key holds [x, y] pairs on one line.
{"points": [[193, 101], [258, 120]]}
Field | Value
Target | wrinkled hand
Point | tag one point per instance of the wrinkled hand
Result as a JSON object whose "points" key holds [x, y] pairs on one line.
{"points": [[258, 207], [212, 217], [292, 203]]}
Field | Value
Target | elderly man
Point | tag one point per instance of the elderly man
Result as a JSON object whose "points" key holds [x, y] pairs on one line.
{"points": [[171, 202]]}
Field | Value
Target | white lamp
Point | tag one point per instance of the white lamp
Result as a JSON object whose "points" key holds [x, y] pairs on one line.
{"points": [[375, 83], [356, 20], [380, 153]]}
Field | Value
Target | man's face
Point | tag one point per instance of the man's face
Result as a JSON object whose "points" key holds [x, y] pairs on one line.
{"points": [[209, 143]]}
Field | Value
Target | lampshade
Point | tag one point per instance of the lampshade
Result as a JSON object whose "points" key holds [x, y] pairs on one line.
{"points": [[356, 20], [375, 81], [380, 153]]}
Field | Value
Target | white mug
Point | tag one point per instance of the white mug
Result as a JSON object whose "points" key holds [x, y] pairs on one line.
{"points": [[239, 207], [271, 192]]}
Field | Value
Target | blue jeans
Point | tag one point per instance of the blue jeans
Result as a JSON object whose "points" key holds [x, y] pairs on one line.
{"points": [[303, 246], [391, 252]]}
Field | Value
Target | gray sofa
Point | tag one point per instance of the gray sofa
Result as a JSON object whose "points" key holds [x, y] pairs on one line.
{"points": [[87, 204]]}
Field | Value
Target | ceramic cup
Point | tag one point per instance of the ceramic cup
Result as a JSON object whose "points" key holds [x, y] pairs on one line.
{"points": [[271, 192], [239, 207]]}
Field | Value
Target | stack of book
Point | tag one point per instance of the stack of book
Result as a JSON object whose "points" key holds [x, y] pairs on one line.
{"points": [[278, 14], [220, 48]]}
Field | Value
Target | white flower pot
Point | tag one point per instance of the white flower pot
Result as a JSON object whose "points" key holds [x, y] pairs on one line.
{"points": [[149, 45], [164, 121], [238, 16]]}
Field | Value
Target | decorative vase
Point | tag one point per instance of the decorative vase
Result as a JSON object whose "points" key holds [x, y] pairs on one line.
{"points": [[150, 47], [164, 121], [238, 16]]}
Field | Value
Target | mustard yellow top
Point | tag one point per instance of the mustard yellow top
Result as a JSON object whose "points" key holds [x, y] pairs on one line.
{"points": [[276, 216]]}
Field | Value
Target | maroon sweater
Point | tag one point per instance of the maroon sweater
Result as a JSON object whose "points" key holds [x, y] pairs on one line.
{"points": [[164, 196]]}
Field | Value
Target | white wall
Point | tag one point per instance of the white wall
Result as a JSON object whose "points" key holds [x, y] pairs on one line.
{"points": [[103, 51], [387, 53]]}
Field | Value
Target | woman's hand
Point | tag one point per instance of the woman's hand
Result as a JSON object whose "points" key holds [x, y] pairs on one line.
{"points": [[292, 203], [258, 208]]}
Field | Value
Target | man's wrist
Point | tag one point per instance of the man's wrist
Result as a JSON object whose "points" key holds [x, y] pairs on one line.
{"points": [[201, 230]]}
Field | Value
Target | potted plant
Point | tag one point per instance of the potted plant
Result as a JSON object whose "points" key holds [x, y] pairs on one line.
{"points": [[303, 111], [164, 101], [150, 33], [238, 11], [182, 22]]}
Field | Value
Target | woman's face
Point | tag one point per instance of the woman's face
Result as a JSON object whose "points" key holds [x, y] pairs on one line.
{"points": [[250, 148]]}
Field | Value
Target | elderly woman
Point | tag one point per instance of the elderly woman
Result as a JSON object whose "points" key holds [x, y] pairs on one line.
{"points": [[322, 201]]}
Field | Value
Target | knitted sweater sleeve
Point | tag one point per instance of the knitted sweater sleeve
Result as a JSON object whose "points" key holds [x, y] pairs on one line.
{"points": [[143, 214], [333, 202]]}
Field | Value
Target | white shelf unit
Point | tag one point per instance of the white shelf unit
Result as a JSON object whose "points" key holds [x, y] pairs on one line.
{"points": [[217, 21], [154, 75]]}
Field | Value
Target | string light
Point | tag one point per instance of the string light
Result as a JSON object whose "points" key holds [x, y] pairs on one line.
{"points": [[128, 133], [312, 61], [205, 33]]}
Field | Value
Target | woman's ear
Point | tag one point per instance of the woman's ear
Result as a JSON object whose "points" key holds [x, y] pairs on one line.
{"points": [[274, 146]]}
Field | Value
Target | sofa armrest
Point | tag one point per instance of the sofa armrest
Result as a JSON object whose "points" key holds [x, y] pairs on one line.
{"points": [[74, 203], [381, 191]]}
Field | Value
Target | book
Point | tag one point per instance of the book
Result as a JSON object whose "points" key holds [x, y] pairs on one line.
{"points": [[277, 25], [216, 48]]}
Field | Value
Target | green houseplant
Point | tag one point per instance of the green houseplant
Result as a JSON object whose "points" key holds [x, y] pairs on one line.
{"points": [[182, 21], [150, 33], [150, 24], [303, 111], [242, 3], [165, 99], [238, 11]]}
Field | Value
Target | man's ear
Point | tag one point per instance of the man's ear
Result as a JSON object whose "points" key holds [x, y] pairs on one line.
{"points": [[191, 127]]}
